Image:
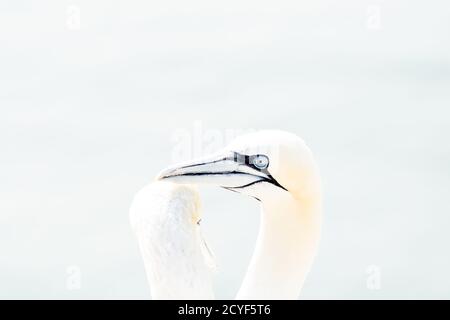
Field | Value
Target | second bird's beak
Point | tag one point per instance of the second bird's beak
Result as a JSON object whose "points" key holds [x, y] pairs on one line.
{"points": [[225, 170]]}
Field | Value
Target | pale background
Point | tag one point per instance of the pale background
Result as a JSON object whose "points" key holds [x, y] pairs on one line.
{"points": [[91, 93]]}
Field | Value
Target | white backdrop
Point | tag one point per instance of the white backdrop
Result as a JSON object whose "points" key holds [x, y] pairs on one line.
{"points": [[92, 96]]}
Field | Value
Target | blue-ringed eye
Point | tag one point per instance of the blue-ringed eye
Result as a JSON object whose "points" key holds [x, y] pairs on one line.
{"points": [[260, 161]]}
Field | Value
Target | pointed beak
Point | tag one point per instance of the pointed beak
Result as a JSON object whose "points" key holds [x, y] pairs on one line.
{"points": [[228, 170]]}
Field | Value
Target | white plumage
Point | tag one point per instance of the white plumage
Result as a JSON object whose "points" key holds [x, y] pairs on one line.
{"points": [[165, 218], [274, 167]]}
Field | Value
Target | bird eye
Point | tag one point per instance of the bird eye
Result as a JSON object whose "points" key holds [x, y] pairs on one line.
{"points": [[260, 161]]}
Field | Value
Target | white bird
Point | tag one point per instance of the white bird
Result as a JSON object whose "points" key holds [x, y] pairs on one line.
{"points": [[165, 218], [278, 169]]}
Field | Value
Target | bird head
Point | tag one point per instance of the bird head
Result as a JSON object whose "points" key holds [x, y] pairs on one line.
{"points": [[264, 165]]}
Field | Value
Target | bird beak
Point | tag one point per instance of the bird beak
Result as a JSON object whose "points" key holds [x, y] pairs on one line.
{"points": [[228, 170]]}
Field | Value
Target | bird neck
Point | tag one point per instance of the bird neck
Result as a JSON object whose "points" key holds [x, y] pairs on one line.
{"points": [[285, 249]]}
